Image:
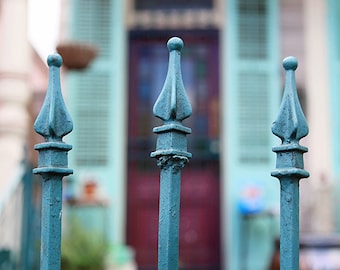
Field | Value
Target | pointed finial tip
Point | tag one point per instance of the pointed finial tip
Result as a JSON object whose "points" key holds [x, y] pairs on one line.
{"points": [[175, 43], [54, 60], [290, 63]]}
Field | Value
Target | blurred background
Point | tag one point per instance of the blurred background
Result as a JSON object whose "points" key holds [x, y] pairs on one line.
{"points": [[115, 64]]}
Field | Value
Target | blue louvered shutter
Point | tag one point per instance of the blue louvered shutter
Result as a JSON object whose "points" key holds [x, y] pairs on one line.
{"points": [[91, 89], [253, 87]]}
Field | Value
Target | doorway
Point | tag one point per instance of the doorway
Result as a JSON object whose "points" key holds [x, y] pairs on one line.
{"points": [[200, 188]]}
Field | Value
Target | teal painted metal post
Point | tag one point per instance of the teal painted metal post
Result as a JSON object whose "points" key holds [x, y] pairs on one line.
{"points": [[53, 123], [290, 126], [172, 106]]}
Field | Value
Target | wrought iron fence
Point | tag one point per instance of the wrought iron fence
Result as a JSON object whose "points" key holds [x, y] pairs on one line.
{"points": [[172, 106]]}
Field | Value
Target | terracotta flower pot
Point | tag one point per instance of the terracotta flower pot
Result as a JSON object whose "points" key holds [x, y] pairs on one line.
{"points": [[76, 55], [90, 189]]}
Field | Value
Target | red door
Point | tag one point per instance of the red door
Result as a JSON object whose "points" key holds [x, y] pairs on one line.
{"points": [[199, 220]]}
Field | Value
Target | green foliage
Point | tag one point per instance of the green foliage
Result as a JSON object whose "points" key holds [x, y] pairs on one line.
{"points": [[82, 249]]}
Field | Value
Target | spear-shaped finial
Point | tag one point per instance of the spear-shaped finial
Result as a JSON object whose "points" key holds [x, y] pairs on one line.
{"points": [[290, 126], [173, 103], [53, 121], [172, 106]]}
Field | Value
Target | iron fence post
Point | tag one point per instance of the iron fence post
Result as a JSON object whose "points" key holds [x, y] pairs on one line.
{"points": [[53, 123], [290, 126], [172, 106]]}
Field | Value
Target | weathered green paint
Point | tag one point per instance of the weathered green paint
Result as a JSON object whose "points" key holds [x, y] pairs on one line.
{"points": [[290, 126], [53, 123], [172, 106]]}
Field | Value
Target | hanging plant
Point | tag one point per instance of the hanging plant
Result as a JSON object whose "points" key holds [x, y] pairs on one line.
{"points": [[76, 55]]}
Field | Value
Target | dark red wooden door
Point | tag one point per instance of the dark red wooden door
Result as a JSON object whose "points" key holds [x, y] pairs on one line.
{"points": [[199, 221]]}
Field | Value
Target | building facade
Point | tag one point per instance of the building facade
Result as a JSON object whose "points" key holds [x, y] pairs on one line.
{"points": [[232, 72]]}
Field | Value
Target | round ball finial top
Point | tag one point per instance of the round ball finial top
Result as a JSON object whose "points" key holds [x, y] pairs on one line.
{"points": [[175, 43], [290, 63], [54, 60]]}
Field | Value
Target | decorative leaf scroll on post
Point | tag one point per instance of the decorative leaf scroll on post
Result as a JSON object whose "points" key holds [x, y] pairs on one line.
{"points": [[53, 123], [172, 106], [290, 126]]}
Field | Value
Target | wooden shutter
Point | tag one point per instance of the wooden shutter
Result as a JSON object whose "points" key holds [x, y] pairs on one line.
{"points": [[253, 117], [253, 81], [92, 21], [92, 118], [92, 88]]}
